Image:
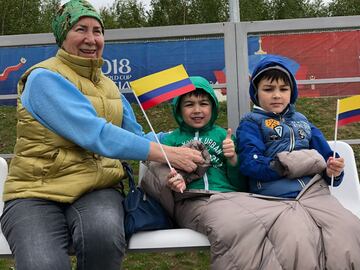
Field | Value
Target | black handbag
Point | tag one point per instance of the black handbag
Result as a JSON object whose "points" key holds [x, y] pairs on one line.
{"points": [[142, 212]]}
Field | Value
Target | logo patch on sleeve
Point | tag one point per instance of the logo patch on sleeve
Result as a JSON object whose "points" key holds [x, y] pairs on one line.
{"points": [[271, 123], [302, 133]]}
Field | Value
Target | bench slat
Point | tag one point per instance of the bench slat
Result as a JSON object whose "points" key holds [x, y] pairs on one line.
{"points": [[166, 240]]}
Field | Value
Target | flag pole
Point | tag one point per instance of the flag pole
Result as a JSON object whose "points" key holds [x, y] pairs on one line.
{"points": [[335, 137], [152, 129]]}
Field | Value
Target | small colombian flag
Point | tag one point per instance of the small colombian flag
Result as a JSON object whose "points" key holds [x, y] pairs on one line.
{"points": [[161, 86], [349, 110]]}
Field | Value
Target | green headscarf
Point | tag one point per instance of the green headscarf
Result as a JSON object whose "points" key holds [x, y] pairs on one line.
{"points": [[69, 14]]}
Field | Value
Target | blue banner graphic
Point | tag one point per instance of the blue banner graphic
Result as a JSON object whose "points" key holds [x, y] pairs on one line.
{"points": [[124, 62]]}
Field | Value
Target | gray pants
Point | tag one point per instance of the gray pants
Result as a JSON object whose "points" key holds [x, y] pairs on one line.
{"points": [[312, 231], [40, 232]]}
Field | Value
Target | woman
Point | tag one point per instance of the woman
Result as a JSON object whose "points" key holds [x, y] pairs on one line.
{"points": [[73, 127]]}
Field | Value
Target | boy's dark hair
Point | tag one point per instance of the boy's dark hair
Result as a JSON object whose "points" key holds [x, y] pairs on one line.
{"points": [[197, 92], [273, 75]]}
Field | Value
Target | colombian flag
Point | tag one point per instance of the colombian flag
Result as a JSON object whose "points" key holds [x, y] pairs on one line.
{"points": [[349, 110], [161, 86]]}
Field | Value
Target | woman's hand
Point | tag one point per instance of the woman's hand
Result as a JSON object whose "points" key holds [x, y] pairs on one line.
{"points": [[182, 158], [175, 181], [229, 148], [334, 166]]}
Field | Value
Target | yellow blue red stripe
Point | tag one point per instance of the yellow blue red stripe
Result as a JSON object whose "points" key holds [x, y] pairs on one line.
{"points": [[161, 86], [156, 96], [349, 110]]}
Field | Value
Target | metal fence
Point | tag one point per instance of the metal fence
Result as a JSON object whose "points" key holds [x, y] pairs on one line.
{"points": [[235, 37]]}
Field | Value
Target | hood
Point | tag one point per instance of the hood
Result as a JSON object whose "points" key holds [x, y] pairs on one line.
{"points": [[270, 61], [199, 83]]}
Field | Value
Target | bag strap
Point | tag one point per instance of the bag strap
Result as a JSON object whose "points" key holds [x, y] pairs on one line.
{"points": [[129, 172]]}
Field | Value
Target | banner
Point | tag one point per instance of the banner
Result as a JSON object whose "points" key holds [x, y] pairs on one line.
{"points": [[322, 55], [124, 62]]}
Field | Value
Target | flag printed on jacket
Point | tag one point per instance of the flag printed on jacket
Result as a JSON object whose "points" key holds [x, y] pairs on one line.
{"points": [[161, 86], [349, 110]]}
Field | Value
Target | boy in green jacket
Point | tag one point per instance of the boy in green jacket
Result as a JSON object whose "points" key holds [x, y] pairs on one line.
{"points": [[196, 113]]}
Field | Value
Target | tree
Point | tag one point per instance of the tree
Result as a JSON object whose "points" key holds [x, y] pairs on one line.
{"points": [[19, 16], [124, 14], [292, 9], [254, 10], [317, 8], [208, 11], [48, 10], [129, 13], [168, 12], [287, 9], [108, 18], [344, 8]]}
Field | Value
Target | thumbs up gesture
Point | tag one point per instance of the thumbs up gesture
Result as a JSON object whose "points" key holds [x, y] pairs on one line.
{"points": [[229, 148]]}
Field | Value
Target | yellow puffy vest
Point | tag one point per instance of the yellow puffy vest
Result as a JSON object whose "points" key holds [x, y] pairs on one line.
{"points": [[50, 167]]}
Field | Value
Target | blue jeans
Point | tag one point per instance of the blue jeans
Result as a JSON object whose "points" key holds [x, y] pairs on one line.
{"points": [[40, 232]]}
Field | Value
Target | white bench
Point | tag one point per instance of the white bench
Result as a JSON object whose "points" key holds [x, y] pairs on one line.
{"points": [[348, 193]]}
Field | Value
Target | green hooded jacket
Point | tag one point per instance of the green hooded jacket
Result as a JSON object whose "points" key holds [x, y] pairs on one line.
{"points": [[221, 176]]}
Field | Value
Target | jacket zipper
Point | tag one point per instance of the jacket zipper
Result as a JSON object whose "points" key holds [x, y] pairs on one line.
{"points": [[206, 182], [292, 139], [196, 137], [292, 145], [302, 184], [292, 134]]}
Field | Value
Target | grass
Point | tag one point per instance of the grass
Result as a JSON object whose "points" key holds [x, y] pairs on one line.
{"points": [[7, 129], [320, 111]]}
